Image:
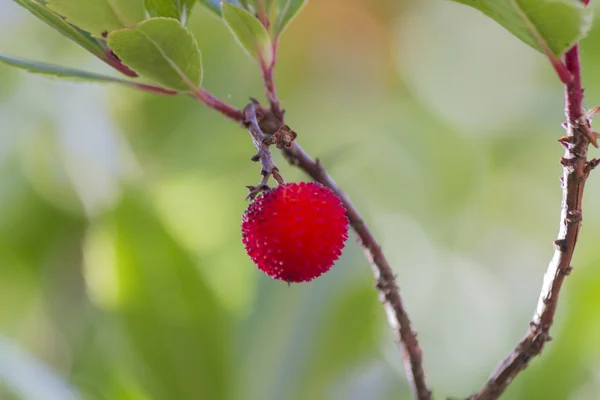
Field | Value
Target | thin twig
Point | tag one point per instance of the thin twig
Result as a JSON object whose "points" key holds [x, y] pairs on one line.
{"points": [[561, 70], [218, 105], [270, 91], [261, 143], [576, 169], [389, 293], [111, 59]]}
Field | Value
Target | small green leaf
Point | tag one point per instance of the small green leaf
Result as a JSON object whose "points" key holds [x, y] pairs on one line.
{"points": [[178, 9], [285, 13], [249, 32], [215, 5], [63, 27], [162, 50], [99, 16], [549, 26]]}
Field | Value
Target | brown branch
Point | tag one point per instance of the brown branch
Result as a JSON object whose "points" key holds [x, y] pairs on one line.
{"points": [[389, 293], [576, 169]]}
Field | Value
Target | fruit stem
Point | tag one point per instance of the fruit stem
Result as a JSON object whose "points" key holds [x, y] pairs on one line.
{"points": [[262, 143]]}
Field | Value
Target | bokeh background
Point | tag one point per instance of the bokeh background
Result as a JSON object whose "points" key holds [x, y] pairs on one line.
{"points": [[122, 275]]}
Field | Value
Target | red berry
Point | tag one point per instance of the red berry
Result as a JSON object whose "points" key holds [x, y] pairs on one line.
{"points": [[295, 232]]}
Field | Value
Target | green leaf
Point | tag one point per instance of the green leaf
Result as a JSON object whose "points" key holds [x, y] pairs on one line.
{"points": [[162, 50], [63, 27], [61, 72], [178, 9], [215, 5], [249, 32], [549, 26], [99, 16], [285, 13]]}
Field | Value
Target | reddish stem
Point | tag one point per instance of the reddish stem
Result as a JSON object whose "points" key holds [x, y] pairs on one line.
{"points": [[218, 105], [573, 93], [269, 82], [153, 89], [562, 71], [114, 61]]}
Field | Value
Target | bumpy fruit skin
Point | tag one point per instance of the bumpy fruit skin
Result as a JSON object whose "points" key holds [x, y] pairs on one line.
{"points": [[296, 232]]}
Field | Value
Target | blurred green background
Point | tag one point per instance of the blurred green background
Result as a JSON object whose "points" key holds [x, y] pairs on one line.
{"points": [[122, 274]]}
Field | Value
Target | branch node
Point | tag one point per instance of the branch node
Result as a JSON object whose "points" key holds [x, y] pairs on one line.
{"points": [[533, 326], [540, 339], [561, 245], [277, 176], [593, 163], [319, 165], [284, 137], [256, 190], [261, 142], [592, 136], [525, 358], [574, 216], [592, 112], [566, 141], [566, 271], [567, 162]]}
